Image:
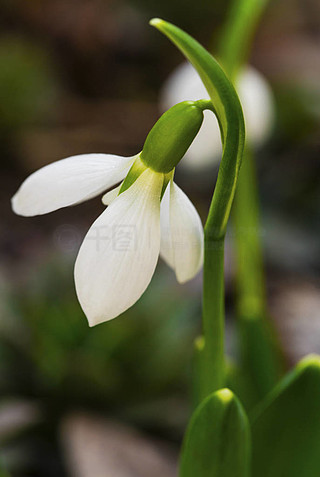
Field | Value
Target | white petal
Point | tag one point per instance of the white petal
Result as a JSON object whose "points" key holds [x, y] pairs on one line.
{"points": [[183, 84], [206, 149], [181, 234], [111, 195], [258, 105], [166, 249], [69, 181], [119, 254]]}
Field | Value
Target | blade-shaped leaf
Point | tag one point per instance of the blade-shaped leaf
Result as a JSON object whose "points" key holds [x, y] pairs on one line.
{"points": [[286, 427], [259, 351], [217, 441]]}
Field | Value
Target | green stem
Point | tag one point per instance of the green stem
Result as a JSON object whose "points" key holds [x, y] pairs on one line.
{"points": [[229, 114], [258, 343], [236, 37], [250, 279], [213, 315]]}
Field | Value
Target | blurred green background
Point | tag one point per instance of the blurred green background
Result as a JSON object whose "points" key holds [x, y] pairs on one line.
{"points": [[82, 76]]}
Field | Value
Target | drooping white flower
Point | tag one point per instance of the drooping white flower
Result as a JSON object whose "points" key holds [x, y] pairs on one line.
{"points": [[119, 254], [258, 107]]}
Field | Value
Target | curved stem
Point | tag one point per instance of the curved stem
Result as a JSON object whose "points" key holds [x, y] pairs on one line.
{"points": [[213, 316], [230, 117]]}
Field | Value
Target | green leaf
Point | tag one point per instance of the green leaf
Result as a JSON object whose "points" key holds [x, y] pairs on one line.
{"points": [[286, 427], [259, 350], [217, 441]]}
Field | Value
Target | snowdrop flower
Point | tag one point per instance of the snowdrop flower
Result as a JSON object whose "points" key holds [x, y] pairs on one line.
{"points": [[257, 103], [146, 215]]}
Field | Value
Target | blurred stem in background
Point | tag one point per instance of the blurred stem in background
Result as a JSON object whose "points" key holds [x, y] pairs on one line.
{"points": [[237, 35], [259, 353], [258, 347]]}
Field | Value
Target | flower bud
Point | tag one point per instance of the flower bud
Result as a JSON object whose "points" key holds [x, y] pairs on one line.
{"points": [[171, 136]]}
